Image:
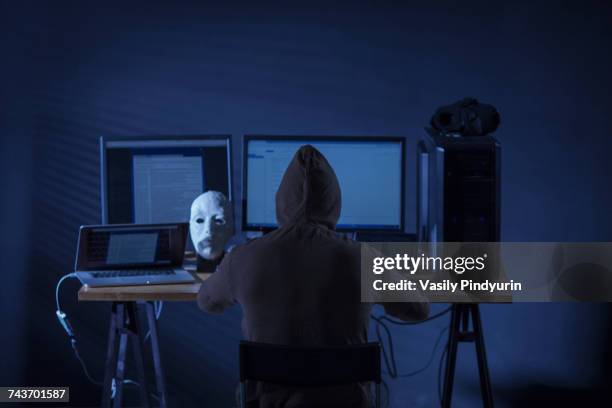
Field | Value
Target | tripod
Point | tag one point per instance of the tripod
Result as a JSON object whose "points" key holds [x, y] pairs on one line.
{"points": [[460, 332]]}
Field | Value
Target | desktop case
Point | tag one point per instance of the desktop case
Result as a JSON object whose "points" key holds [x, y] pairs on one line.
{"points": [[458, 188]]}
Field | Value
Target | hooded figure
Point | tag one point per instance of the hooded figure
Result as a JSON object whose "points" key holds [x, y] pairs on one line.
{"points": [[300, 284]]}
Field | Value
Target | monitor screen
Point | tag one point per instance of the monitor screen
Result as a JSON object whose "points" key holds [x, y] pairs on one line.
{"points": [[370, 172], [147, 181]]}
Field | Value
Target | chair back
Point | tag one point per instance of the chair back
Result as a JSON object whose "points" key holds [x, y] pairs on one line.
{"points": [[310, 366]]}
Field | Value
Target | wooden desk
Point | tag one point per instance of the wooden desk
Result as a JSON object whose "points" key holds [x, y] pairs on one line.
{"points": [[125, 324], [183, 292]]}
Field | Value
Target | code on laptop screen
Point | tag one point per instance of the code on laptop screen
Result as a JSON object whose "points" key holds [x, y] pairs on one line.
{"points": [[132, 248], [129, 246]]}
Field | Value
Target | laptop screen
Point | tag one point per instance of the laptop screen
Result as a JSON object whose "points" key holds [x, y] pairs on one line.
{"points": [[131, 246]]}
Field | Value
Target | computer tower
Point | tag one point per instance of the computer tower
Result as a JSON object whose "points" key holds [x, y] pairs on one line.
{"points": [[458, 188]]}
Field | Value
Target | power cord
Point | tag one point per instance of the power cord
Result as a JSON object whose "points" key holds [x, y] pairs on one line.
{"points": [[65, 323], [402, 323], [389, 356], [63, 319], [431, 357], [389, 359]]}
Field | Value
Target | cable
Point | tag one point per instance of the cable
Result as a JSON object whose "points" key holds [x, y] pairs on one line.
{"points": [[63, 319], [431, 356], [135, 384], [57, 287], [390, 357], [83, 365], [402, 323]]}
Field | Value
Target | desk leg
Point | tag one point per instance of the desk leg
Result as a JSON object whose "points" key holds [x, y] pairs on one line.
{"points": [[123, 324], [138, 346], [159, 375], [111, 359], [120, 376]]}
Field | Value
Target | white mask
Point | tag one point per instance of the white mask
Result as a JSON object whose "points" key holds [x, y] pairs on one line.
{"points": [[211, 224]]}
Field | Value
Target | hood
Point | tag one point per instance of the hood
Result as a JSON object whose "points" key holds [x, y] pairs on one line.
{"points": [[309, 191]]}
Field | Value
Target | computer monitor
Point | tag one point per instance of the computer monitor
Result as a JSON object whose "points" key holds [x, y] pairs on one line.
{"points": [[154, 180], [370, 171]]}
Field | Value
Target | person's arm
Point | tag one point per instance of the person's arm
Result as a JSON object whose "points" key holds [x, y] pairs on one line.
{"points": [[216, 293]]}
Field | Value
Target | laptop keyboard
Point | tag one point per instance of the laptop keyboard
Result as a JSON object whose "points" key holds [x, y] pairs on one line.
{"points": [[132, 272]]}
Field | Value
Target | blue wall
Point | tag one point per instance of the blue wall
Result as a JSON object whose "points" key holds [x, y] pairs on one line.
{"points": [[73, 72]]}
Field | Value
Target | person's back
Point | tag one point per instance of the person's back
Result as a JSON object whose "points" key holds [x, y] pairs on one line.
{"points": [[299, 285]]}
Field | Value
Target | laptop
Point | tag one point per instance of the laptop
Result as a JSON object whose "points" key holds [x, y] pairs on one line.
{"points": [[130, 254]]}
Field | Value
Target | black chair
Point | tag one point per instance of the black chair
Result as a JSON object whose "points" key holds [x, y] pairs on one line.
{"points": [[309, 366]]}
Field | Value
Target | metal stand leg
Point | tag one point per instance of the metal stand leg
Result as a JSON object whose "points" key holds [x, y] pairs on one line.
{"points": [[451, 358], [159, 374], [123, 325], [120, 376], [138, 346], [459, 332], [111, 359], [483, 369]]}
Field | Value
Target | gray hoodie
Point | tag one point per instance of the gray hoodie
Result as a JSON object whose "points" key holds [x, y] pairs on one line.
{"points": [[300, 284]]}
